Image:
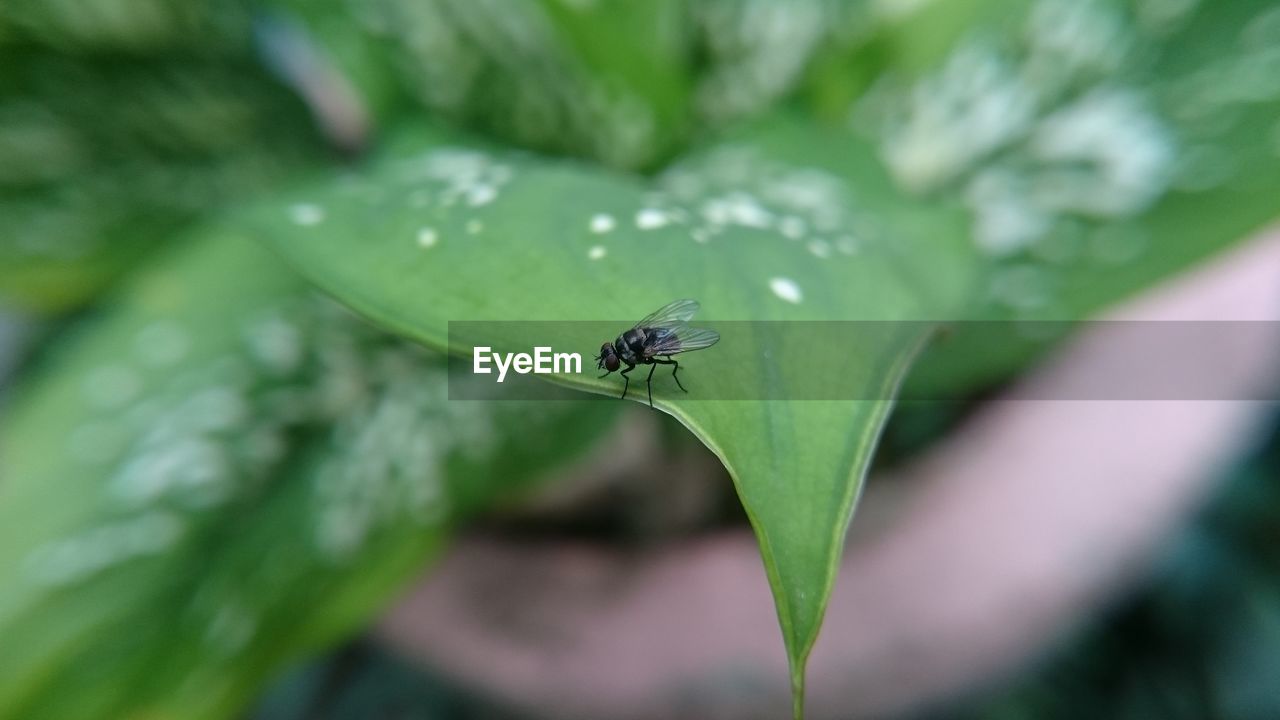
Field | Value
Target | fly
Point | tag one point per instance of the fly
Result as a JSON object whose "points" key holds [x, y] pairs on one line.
{"points": [[653, 340]]}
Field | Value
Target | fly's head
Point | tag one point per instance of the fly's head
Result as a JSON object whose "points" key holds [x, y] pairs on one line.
{"points": [[608, 358]]}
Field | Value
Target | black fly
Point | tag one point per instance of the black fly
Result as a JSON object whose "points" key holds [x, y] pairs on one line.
{"points": [[653, 341]]}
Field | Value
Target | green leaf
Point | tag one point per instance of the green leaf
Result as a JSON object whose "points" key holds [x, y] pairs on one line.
{"points": [[607, 81], [785, 222], [89, 185], [1101, 145], [135, 26], [225, 471]]}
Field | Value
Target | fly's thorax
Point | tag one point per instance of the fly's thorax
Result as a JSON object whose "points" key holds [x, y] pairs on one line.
{"points": [[623, 348], [635, 339]]}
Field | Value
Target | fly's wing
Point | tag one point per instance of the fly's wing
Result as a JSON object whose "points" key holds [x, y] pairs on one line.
{"points": [[672, 314], [684, 339]]}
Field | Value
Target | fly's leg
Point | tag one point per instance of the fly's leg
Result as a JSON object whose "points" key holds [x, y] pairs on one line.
{"points": [[649, 381], [674, 370], [627, 384]]}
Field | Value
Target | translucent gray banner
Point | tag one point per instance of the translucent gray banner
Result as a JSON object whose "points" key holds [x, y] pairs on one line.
{"points": [[850, 360]]}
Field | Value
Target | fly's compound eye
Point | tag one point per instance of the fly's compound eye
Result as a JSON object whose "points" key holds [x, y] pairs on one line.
{"points": [[606, 358]]}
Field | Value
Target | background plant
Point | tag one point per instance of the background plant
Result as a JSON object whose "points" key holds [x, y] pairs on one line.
{"points": [[199, 411]]}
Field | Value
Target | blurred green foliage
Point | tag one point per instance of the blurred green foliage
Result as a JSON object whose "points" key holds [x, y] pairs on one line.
{"points": [[102, 160], [1097, 146], [208, 480]]}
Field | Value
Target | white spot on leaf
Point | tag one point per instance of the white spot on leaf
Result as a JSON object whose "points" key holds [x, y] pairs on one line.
{"points": [[275, 343], [974, 105], [195, 469], [479, 195], [792, 227], [1125, 147], [306, 214], [651, 219], [787, 289], [78, 557], [602, 223]]}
